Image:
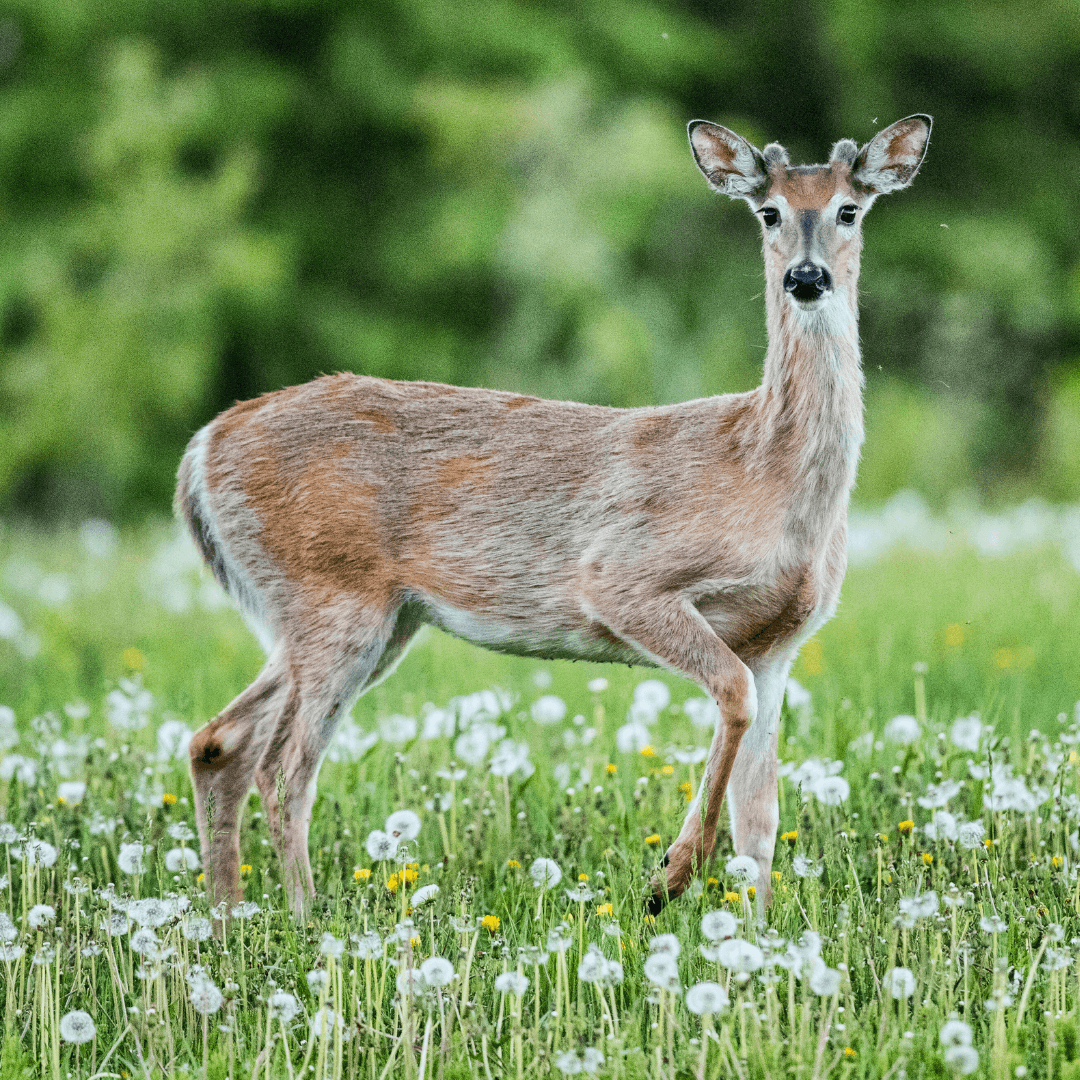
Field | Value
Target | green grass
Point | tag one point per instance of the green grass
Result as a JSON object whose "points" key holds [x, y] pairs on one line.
{"points": [[996, 636]]}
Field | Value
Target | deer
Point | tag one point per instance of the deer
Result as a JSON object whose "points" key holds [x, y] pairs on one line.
{"points": [[706, 537]]}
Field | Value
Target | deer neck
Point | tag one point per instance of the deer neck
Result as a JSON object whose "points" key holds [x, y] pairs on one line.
{"points": [[812, 394]]}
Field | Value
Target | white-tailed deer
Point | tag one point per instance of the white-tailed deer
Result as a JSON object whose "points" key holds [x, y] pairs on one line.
{"points": [[707, 537]]}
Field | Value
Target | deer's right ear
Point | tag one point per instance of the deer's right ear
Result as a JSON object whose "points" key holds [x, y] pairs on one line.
{"points": [[730, 164]]}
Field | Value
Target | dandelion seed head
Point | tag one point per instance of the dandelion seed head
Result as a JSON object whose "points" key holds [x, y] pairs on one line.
{"points": [[706, 998], [717, 925], [437, 971], [403, 825], [282, 1006], [545, 873], [40, 915], [77, 1027]]}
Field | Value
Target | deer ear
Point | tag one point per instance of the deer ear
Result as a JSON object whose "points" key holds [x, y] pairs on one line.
{"points": [[730, 164], [890, 160]]}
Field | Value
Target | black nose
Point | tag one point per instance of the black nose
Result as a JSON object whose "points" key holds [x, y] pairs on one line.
{"points": [[807, 281]]}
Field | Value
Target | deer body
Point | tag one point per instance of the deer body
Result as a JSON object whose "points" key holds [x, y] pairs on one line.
{"points": [[707, 537]]}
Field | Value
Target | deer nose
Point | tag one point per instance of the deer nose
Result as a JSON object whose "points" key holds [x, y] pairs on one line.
{"points": [[807, 281]]}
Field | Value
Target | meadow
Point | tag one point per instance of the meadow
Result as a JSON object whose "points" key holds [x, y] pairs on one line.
{"points": [[486, 828]]}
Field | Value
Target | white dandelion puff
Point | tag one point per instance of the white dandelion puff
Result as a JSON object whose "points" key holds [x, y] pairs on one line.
{"points": [[899, 982], [830, 790], [380, 846], [549, 709], [717, 925], [130, 859], [545, 873], [706, 998], [962, 1059], [424, 894], [39, 853], [177, 860], [568, 1063], [971, 835], [667, 944], [740, 956], [330, 945], [903, 730], [437, 971], [824, 980], [744, 869], [40, 915], [282, 1006], [511, 982], [956, 1033], [966, 733], [72, 792], [652, 695], [398, 730], [197, 928], [662, 970], [77, 1027], [804, 867], [403, 825]]}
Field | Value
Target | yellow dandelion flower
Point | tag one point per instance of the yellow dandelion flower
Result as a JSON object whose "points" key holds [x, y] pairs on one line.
{"points": [[731, 897], [490, 923], [583, 877], [988, 843], [61, 800], [392, 883], [611, 769], [200, 878], [848, 1052], [1057, 862], [361, 873], [604, 909], [132, 659], [791, 836], [883, 837], [414, 941], [648, 751], [245, 869], [927, 858], [668, 770], [425, 869], [712, 881], [168, 799], [409, 875], [751, 891], [905, 826], [513, 864], [654, 839], [776, 875]]}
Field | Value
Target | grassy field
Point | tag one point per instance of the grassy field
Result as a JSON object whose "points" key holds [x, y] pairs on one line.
{"points": [[927, 905]]}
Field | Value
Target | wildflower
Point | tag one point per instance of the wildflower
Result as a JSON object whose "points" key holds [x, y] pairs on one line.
{"points": [[921, 906], [591, 1060], [687, 790], [956, 1033], [938, 795], [512, 758], [731, 897], [144, 941], [962, 1059], [490, 923], [545, 873], [899, 982], [392, 883], [993, 924], [130, 859], [927, 858], [71, 793], [180, 859], [559, 938], [791, 836], [751, 892], [436, 971], [380, 846], [883, 837], [652, 695], [1057, 862], [824, 981], [905, 826], [604, 909], [40, 915], [966, 732], [970, 835], [40, 853], [9, 952], [849, 1053], [549, 709], [511, 982], [580, 893], [662, 971], [398, 730], [611, 769], [77, 1027], [402, 825], [648, 751], [8, 930], [654, 838], [738, 955], [361, 873], [743, 869], [706, 998], [830, 790], [665, 944], [330, 945], [903, 730], [943, 827], [473, 745], [803, 866], [246, 909], [597, 686], [180, 830], [197, 928], [128, 708], [513, 864], [568, 1063], [150, 911], [324, 1021], [632, 737], [282, 1006], [717, 925], [712, 881]]}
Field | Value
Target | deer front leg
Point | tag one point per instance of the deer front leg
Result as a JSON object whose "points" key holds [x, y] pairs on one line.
{"points": [[752, 801], [673, 632]]}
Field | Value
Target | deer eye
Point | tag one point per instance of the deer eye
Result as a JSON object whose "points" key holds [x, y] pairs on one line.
{"points": [[847, 214], [770, 216]]}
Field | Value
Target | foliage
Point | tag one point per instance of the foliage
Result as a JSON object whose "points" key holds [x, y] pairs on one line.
{"points": [[986, 932], [205, 201]]}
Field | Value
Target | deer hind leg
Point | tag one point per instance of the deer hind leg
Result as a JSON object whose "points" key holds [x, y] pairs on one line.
{"points": [[325, 688], [674, 633], [224, 755], [752, 794]]}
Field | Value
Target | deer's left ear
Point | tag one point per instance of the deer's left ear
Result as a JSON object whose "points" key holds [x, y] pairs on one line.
{"points": [[890, 160], [730, 164]]}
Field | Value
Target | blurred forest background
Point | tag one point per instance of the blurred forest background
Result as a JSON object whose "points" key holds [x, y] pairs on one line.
{"points": [[203, 200]]}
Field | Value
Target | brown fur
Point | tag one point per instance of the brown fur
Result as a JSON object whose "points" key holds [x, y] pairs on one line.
{"points": [[707, 537]]}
